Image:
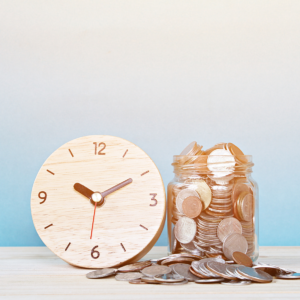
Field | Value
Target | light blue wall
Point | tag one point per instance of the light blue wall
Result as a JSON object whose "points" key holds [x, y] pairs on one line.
{"points": [[160, 74]]}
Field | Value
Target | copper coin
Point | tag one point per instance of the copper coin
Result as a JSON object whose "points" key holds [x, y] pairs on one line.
{"points": [[239, 187], [189, 149], [137, 281], [237, 152], [227, 227], [135, 267], [242, 259], [254, 274], [192, 206], [182, 195], [219, 269], [185, 230], [246, 207], [234, 242]]}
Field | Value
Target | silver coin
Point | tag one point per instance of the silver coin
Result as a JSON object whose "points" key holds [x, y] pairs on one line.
{"points": [[221, 162], [219, 269], [101, 273], [210, 280], [185, 230], [176, 283], [156, 270], [171, 277], [135, 266], [236, 282], [254, 274], [265, 267], [184, 270], [128, 276], [288, 276], [150, 280], [239, 276], [201, 267]]}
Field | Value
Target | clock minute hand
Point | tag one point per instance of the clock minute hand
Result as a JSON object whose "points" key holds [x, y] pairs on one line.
{"points": [[116, 187], [83, 190]]}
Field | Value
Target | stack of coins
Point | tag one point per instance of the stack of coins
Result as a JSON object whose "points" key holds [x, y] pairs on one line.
{"points": [[212, 202], [178, 269]]}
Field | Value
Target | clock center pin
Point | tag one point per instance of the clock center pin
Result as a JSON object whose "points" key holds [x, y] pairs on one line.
{"points": [[96, 197]]}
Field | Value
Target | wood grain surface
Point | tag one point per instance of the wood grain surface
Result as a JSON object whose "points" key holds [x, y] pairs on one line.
{"points": [[36, 273], [126, 227]]}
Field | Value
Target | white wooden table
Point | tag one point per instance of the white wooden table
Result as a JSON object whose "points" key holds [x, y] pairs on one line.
{"points": [[36, 273]]}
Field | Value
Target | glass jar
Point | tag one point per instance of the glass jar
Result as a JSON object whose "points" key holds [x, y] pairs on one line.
{"points": [[213, 203]]}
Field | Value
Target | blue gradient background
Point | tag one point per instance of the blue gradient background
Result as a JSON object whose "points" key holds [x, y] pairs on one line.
{"points": [[160, 74]]}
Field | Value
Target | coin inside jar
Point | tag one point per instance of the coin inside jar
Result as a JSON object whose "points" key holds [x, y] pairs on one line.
{"points": [[237, 152], [227, 227], [203, 190], [245, 206], [182, 195], [185, 230], [192, 206], [242, 259], [234, 242]]}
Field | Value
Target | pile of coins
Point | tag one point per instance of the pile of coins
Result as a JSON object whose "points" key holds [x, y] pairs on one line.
{"points": [[211, 204], [178, 269]]}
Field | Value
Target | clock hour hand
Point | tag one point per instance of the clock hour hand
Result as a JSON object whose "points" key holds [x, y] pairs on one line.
{"points": [[83, 190], [116, 187]]}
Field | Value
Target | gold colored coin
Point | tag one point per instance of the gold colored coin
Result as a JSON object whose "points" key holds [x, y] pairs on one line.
{"points": [[204, 191]]}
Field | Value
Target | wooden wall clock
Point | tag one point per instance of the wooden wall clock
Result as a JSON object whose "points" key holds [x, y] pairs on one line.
{"points": [[99, 201]]}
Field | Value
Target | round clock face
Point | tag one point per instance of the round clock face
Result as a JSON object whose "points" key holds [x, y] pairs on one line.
{"points": [[99, 201]]}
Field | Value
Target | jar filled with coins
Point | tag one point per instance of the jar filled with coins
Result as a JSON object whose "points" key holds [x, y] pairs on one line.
{"points": [[213, 203]]}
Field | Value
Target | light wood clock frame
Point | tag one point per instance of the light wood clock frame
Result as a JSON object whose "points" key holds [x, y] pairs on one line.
{"points": [[99, 201]]}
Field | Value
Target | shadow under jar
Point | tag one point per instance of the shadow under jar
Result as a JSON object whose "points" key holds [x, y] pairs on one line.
{"points": [[213, 205]]}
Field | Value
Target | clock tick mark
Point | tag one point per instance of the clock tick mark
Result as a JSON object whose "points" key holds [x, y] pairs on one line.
{"points": [[71, 152], [125, 153], [123, 247], [50, 172], [48, 226], [145, 173], [144, 227], [67, 247]]}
